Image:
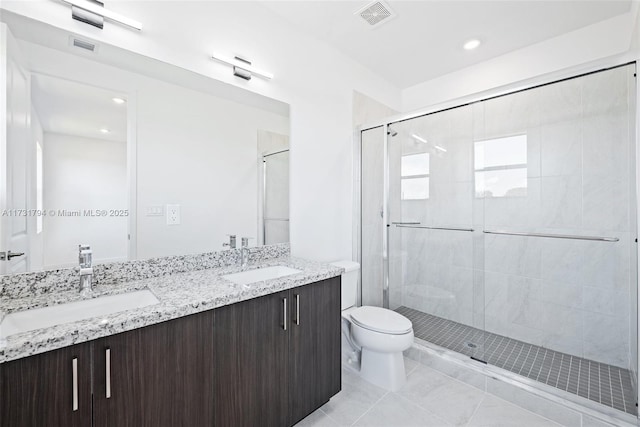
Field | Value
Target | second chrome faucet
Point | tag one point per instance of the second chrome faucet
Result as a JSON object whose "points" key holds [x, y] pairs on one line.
{"points": [[244, 253], [85, 256]]}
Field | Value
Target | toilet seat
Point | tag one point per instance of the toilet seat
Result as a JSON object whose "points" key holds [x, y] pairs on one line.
{"points": [[381, 320]]}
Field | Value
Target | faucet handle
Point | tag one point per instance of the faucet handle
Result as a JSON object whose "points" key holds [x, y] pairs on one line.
{"points": [[84, 255], [245, 241], [232, 241]]}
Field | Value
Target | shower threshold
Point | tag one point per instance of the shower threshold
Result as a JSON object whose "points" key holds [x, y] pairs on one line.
{"points": [[608, 385]]}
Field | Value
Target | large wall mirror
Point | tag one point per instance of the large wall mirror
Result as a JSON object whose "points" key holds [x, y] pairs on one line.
{"points": [[134, 157]]}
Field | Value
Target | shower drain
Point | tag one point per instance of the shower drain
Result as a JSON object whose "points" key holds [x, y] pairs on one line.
{"points": [[470, 344]]}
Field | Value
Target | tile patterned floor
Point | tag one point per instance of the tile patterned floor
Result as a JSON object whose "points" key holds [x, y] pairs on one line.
{"points": [[608, 385], [429, 399]]}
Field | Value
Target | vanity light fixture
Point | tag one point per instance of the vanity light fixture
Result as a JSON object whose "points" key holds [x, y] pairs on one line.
{"points": [[471, 44], [92, 12], [444, 150], [105, 130], [241, 67], [119, 100]]}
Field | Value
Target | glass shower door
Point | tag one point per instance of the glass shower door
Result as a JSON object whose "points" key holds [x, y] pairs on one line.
{"points": [[276, 197], [432, 275], [555, 170], [372, 223]]}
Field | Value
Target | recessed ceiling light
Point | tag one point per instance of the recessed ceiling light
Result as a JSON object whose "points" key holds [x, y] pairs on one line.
{"points": [[105, 130], [471, 44], [119, 100]]}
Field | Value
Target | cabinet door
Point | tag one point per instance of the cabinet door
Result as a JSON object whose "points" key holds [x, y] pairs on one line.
{"points": [[159, 375], [251, 342], [315, 347], [43, 390]]}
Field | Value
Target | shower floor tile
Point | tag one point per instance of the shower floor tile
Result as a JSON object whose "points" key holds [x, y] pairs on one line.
{"points": [[605, 384]]}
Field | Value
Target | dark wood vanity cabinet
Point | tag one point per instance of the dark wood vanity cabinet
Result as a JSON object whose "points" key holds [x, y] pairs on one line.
{"points": [[315, 347], [52, 389], [268, 361], [282, 356], [251, 375], [157, 376]]}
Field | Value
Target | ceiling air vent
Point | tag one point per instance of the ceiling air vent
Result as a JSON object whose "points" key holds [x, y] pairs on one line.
{"points": [[376, 13], [83, 44]]}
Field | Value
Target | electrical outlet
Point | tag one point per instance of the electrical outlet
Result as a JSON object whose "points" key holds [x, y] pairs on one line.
{"points": [[173, 214]]}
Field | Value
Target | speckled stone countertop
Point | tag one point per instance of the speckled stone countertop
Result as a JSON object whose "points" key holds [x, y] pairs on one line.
{"points": [[180, 294]]}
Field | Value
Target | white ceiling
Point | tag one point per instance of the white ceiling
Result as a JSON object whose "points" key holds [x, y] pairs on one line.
{"points": [[77, 109], [425, 40]]}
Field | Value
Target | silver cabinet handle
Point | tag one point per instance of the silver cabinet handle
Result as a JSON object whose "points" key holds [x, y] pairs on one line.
{"points": [[74, 367], [284, 309], [107, 354], [298, 309]]}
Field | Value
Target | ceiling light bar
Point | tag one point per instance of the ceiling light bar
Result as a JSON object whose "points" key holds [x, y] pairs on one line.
{"points": [[239, 65], [418, 138], [105, 13], [444, 150]]}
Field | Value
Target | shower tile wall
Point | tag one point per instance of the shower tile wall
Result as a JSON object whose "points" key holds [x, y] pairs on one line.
{"points": [[436, 266], [572, 296]]}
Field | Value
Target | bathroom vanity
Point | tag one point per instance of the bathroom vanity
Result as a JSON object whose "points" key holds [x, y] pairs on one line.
{"points": [[263, 354]]}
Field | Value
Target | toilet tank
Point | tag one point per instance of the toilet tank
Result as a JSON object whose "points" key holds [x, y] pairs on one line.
{"points": [[349, 282]]}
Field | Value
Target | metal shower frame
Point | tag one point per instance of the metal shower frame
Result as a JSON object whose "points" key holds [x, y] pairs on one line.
{"points": [[530, 83]]}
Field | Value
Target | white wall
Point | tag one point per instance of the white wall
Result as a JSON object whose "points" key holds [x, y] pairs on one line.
{"points": [[315, 79], [593, 42], [83, 173], [200, 152], [635, 37], [367, 109], [36, 242], [193, 149]]}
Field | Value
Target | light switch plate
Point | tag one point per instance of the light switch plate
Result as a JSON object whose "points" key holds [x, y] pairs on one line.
{"points": [[173, 214], [155, 210]]}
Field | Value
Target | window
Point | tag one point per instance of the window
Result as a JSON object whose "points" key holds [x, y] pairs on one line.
{"points": [[39, 187], [501, 167], [414, 172]]}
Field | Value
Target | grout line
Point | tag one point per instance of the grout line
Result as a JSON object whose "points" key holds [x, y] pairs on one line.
{"points": [[624, 398], [421, 407], [372, 406], [328, 416], [548, 367], [525, 409], [475, 411]]}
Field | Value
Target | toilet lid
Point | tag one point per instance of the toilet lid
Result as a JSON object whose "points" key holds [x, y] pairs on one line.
{"points": [[381, 320]]}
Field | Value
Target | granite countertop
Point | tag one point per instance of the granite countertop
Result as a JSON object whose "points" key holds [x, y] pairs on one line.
{"points": [[180, 294]]}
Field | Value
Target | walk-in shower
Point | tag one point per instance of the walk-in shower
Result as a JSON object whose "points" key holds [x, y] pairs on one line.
{"points": [[505, 229]]}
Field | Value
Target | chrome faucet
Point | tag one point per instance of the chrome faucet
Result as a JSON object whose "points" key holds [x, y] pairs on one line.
{"points": [[232, 241], [244, 253], [86, 270]]}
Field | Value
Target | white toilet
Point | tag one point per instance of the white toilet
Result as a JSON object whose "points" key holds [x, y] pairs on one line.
{"points": [[381, 335]]}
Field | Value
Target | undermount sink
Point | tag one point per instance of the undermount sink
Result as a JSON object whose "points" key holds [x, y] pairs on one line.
{"points": [[37, 318], [260, 274]]}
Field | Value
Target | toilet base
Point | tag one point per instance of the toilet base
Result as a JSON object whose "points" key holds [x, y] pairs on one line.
{"points": [[385, 370]]}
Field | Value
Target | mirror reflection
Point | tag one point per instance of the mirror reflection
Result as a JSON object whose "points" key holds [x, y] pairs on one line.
{"points": [[134, 158]]}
